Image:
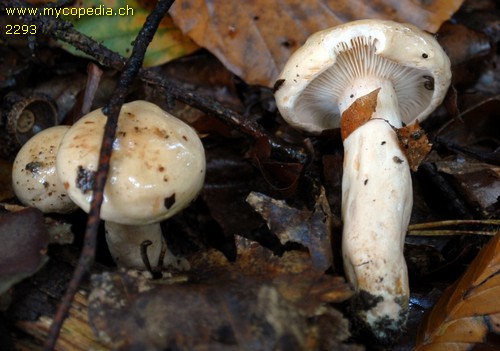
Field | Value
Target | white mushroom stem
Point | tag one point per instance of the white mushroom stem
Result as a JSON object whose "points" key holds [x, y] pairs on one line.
{"points": [[376, 207], [125, 241]]}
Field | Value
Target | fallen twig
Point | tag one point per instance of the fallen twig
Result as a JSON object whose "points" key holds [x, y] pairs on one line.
{"points": [[111, 110]]}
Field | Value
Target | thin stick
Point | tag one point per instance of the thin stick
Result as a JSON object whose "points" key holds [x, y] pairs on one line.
{"points": [[428, 229], [111, 110], [453, 222], [449, 232]]}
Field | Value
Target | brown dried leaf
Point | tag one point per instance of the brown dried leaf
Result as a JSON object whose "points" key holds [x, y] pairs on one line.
{"points": [[467, 313], [226, 186], [310, 228], [260, 299], [358, 113], [478, 182], [24, 243], [468, 51], [414, 143], [255, 38], [293, 274], [476, 132]]}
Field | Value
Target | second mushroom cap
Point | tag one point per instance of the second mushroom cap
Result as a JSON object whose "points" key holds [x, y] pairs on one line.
{"points": [[157, 167]]}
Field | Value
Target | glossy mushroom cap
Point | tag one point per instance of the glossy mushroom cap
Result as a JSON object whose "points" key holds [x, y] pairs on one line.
{"points": [[157, 167], [34, 177], [329, 72]]}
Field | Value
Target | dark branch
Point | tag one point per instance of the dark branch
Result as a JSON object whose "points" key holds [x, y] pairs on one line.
{"points": [[111, 110]]}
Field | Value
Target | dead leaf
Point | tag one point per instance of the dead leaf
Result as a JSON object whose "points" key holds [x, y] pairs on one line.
{"points": [[292, 273], [475, 133], [254, 39], [467, 314], [414, 143], [256, 303], [478, 182], [358, 113], [226, 187], [24, 243], [310, 228], [468, 51]]}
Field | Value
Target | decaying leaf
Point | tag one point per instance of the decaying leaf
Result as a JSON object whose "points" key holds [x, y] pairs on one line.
{"points": [[414, 143], [475, 133], [255, 38], [478, 182], [24, 243], [260, 302], [358, 113], [293, 274], [283, 176], [310, 228], [467, 315], [117, 30], [225, 190]]}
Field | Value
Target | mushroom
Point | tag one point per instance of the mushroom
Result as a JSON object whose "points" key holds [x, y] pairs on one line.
{"points": [[34, 177], [157, 168], [409, 73]]}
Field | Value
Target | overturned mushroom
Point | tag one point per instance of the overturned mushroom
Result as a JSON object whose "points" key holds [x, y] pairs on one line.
{"points": [[34, 177], [157, 168], [409, 74]]}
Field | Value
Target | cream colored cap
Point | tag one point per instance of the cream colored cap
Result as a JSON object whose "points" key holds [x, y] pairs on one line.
{"points": [[157, 167]]}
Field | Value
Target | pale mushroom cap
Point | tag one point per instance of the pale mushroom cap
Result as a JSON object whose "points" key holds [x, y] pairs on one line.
{"points": [[34, 177], [312, 82], [157, 167]]}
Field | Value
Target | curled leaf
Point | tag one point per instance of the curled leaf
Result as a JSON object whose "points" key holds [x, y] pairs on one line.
{"points": [[467, 314]]}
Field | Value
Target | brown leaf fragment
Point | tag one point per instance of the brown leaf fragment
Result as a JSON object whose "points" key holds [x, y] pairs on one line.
{"points": [[414, 143], [292, 273], [358, 113], [466, 313], [24, 243], [310, 228]]}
